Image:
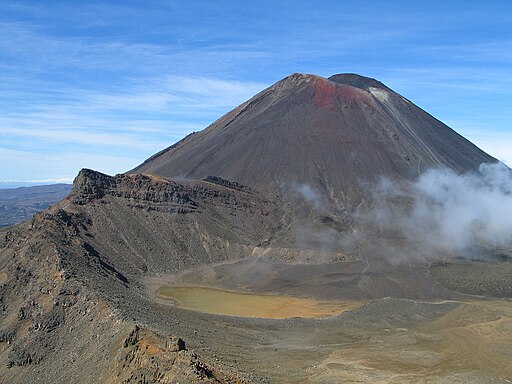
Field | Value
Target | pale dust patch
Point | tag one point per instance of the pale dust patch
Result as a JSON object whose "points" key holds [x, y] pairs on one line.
{"points": [[380, 94]]}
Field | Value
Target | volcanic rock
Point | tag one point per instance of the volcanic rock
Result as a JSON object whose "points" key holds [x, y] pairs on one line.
{"points": [[332, 134]]}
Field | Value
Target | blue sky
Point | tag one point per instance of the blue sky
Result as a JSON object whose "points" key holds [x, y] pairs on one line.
{"points": [[105, 84]]}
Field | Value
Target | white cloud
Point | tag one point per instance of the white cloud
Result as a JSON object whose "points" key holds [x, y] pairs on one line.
{"points": [[495, 51], [138, 121], [66, 180], [172, 94], [497, 143], [58, 165], [53, 180], [445, 214], [78, 137], [501, 149], [455, 76]]}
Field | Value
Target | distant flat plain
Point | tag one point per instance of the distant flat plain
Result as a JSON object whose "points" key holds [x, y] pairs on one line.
{"points": [[20, 204]]}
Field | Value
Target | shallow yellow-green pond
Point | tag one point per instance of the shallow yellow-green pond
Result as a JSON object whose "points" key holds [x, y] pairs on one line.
{"points": [[220, 302]]}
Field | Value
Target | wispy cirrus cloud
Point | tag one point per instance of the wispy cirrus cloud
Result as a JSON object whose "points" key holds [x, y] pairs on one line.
{"points": [[161, 104], [90, 94], [63, 164], [141, 119], [66, 180], [498, 143], [499, 148], [77, 137], [488, 52]]}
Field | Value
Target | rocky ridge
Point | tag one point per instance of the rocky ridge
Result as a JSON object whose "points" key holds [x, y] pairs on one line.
{"points": [[61, 284]]}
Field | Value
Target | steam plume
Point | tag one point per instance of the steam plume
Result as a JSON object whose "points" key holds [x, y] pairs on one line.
{"points": [[443, 212]]}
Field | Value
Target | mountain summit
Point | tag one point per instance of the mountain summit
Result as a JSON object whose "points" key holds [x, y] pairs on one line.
{"points": [[328, 133], [357, 81]]}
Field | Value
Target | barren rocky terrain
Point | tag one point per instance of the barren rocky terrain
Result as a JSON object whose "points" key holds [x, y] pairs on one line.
{"points": [[235, 272]]}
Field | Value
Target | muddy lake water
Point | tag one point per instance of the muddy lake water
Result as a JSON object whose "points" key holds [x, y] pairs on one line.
{"points": [[244, 304]]}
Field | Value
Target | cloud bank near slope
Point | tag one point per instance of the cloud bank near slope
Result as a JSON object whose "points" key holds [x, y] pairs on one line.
{"points": [[441, 213]]}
